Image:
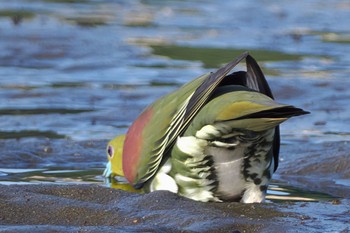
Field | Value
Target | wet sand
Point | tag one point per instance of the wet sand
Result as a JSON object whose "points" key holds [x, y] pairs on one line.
{"points": [[95, 208], [322, 167], [92, 208]]}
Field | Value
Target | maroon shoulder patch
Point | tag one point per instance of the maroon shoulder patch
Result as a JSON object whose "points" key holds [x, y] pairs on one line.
{"points": [[133, 145]]}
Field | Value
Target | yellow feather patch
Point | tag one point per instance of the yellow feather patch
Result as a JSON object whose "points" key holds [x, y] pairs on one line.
{"points": [[239, 109], [255, 124]]}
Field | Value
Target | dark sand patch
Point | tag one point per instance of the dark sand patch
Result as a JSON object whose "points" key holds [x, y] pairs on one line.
{"points": [[92, 208]]}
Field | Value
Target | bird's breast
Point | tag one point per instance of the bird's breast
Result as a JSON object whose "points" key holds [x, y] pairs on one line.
{"points": [[218, 169], [248, 161], [228, 164]]}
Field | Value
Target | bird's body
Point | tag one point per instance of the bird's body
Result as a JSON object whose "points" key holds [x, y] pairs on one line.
{"points": [[215, 139]]}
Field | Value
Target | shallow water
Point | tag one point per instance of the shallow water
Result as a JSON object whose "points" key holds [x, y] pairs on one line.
{"points": [[74, 74], [277, 191]]}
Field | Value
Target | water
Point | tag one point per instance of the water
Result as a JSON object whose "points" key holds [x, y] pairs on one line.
{"points": [[74, 74], [277, 191]]}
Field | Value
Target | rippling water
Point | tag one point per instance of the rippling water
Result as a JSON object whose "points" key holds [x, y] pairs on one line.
{"points": [[82, 70]]}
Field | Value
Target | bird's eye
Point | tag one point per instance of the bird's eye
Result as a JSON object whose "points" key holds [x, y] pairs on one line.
{"points": [[110, 151]]}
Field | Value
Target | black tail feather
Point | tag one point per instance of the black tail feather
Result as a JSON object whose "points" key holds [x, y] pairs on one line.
{"points": [[281, 112]]}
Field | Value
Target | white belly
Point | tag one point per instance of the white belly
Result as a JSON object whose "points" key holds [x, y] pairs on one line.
{"points": [[228, 165]]}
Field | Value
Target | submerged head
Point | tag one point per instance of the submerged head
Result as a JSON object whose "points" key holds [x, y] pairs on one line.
{"points": [[114, 154]]}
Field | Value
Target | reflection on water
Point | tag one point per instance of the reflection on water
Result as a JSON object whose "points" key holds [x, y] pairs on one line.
{"points": [[277, 191], [10, 176], [215, 57], [283, 192]]}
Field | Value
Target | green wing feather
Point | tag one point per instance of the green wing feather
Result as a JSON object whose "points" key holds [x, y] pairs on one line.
{"points": [[173, 113], [163, 128]]}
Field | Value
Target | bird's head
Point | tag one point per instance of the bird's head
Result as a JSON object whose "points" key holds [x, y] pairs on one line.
{"points": [[114, 151]]}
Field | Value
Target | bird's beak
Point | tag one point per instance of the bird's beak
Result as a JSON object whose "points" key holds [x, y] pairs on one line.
{"points": [[108, 170]]}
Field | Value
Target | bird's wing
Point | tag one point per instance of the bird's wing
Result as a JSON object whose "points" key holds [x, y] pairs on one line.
{"points": [[155, 131]]}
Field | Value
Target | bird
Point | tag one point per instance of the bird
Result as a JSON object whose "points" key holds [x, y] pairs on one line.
{"points": [[215, 139]]}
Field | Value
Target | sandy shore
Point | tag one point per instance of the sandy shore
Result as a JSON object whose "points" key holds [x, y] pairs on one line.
{"points": [[92, 208]]}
